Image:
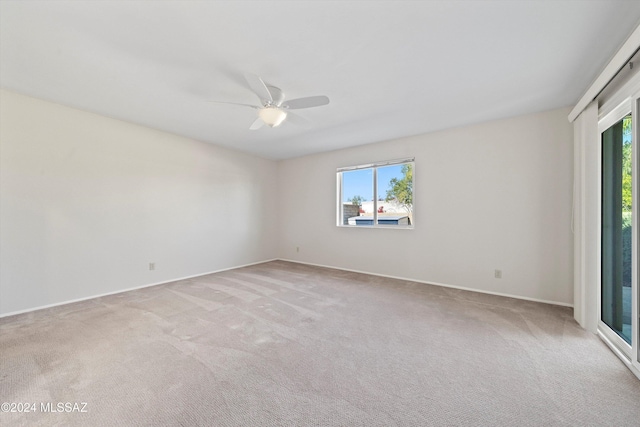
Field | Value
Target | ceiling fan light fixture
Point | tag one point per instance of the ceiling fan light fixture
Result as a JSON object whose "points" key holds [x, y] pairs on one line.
{"points": [[272, 116]]}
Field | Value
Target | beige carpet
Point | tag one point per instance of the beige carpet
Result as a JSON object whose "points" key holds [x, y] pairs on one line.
{"points": [[282, 344]]}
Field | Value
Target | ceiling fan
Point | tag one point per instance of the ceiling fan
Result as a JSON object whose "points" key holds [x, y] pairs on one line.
{"points": [[274, 109]]}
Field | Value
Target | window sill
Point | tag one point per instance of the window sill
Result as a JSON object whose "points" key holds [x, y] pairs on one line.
{"points": [[387, 227]]}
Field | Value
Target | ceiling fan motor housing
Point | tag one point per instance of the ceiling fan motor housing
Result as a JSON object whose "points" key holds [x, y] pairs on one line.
{"points": [[276, 94]]}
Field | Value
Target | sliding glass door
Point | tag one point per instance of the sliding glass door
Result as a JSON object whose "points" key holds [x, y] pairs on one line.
{"points": [[617, 228], [618, 294]]}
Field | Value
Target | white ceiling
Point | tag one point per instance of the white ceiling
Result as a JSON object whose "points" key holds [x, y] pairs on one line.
{"points": [[391, 69]]}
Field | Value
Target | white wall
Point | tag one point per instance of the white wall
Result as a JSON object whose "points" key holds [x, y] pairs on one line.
{"points": [[86, 202], [492, 196]]}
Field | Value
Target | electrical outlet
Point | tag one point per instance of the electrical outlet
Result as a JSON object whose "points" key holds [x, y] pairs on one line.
{"points": [[498, 274], [152, 266]]}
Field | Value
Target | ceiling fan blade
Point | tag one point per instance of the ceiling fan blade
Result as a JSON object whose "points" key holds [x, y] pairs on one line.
{"points": [[308, 102], [255, 107], [297, 120], [258, 87], [257, 124]]}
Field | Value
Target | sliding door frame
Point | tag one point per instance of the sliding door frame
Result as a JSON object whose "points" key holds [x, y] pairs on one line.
{"points": [[609, 114]]}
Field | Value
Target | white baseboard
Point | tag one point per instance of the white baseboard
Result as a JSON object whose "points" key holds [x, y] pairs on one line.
{"points": [[444, 285], [13, 313]]}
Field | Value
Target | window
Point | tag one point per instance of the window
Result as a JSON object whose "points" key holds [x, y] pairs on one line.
{"points": [[376, 195], [616, 229], [618, 264]]}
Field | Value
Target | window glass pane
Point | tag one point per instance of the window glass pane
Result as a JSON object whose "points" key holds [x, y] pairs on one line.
{"points": [[616, 227], [392, 205], [357, 197], [395, 195]]}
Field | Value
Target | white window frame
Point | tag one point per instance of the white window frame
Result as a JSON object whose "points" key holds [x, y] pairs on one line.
{"points": [[374, 166], [609, 113]]}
